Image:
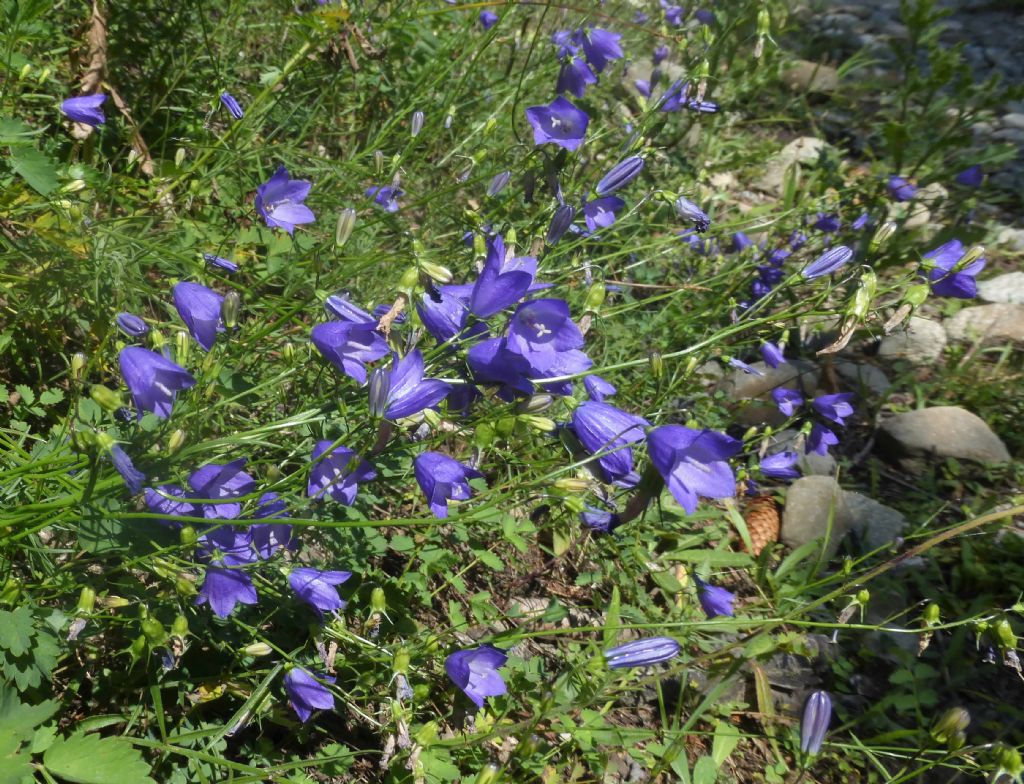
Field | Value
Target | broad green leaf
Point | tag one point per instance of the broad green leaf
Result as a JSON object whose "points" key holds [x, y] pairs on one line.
{"points": [[705, 771], [35, 167], [16, 629], [18, 720], [15, 132], [727, 737], [91, 759]]}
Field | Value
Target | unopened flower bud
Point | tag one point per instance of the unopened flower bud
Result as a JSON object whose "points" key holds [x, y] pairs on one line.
{"points": [[378, 600], [184, 587], [229, 308], [188, 536], [10, 590], [436, 271], [490, 125], [401, 662], [176, 441], [179, 627], [112, 602], [138, 648], [642, 653], [950, 725], [157, 340], [560, 223], [346, 222], [409, 279], [1008, 761], [931, 614], [595, 297], [488, 774], [288, 353], [916, 295], [155, 632], [657, 364], [817, 715], [973, 253], [536, 404], [378, 161], [572, 484], [106, 398], [179, 157], [882, 235], [622, 173], [543, 424], [78, 363], [764, 22], [1004, 634], [74, 186], [498, 183], [380, 386], [182, 348], [417, 123], [863, 596], [86, 601], [257, 649]]}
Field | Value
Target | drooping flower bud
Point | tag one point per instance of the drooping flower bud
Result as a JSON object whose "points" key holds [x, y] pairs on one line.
{"points": [[106, 398], [595, 297], [689, 211], [657, 364], [378, 600], [346, 222], [417, 123], [179, 627], [620, 175], [131, 325], [642, 653], [498, 183], [828, 262], [86, 601], [182, 344], [380, 385], [543, 424], [882, 235], [232, 105], [436, 271], [229, 308], [176, 441], [78, 363], [817, 715], [949, 727], [378, 161], [257, 649], [560, 223], [488, 774]]}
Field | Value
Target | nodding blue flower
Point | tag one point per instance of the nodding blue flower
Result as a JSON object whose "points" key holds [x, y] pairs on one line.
{"points": [[781, 465], [816, 718], [601, 47], [279, 201], [339, 306], [226, 546], [675, 97], [349, 346], [488, 19], [620, 175], [169, 500], [215, 484], [232, 105], [861, 222], [386, 196], [714, 599], [153, 380], [492, 363], [200, 309], [337, 473], [600, 213], [828, 262], [972, 176], [772, 354], [132, 477], [543, 325], [443, 479], [741, 365], [85, 109], [835, 408], [444, 312], [599, 521], [694, 463], [224, 587], [567, 42], [787, 400], [948, 281], [900, 189], [317, 588], [475, 671], [705, 17], [642, 653], [820, 439], [307, 693], [797, 240], [220, 263], [643, 86], [740, 242], [407, 391], [560, 223], [673, 13], [559, 122], [829, 224], [498, 183], [503, 281], [778, 256], [689, 211], [660, 53], [607, 431], [131, 325], [574, 76], [598, 389]]}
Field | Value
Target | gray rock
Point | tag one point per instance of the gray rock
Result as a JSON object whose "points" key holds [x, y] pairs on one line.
{"points": [[1011, 238], [805, 150], [1008, 288], [1012, 135], [806, 76], [939, 432], [810, 501], [875, 524], [863, 377], [1014, 120], [991, 324], [811, 464], [921, 342]]}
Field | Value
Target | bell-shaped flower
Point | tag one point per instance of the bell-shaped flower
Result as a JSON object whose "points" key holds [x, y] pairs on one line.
{"points": [[279, 201], [401, 390], [170, 500], [714, 599], [232, 105], [443, 479], [574, 77], [307, 693], [820, 439], [972, 176], [689, 211], [475, 671], [543, 325], [827, 222], [660, 53], [600, 213], [946, 279], [133, 478], [85, 109], [600, 521], [900, 189], [642, 653], [503, 281], [215, 484], [337, 473], [488, 19], [386, 196], [226, 545], [223, 588], [153, 380], [349, 346], [598, 389], [606, 431], [601, 47], [559, 122], [694, 463], [200, 309], [816, 718], [561, 220], [781, 465], [788, 400], [444, 312], [317, 588], [492, 363], [620, 175], [835, 408], [772, 354]]}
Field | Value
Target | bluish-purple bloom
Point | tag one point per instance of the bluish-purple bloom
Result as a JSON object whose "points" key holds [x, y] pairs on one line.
{"points": [[349, 346], [503, 281], [386, 196], [225, 587], [601, 47], [607, 431], [153, 380], [444, 312], [781, 465], [714, 599], [559, 122], [498, 183], [816, 718], [132, 325], [475, 671], [828, 262], [642, 653], [403, 391], [827, 223], [317, 588], [598, 389], [946, 280], [689, 211], [488, 19], [165, 500], [307, 693], [85, 109], [740, 242], [772, 354], [133, 478], [741, 365], [600, 213], [820, 439], [338, 473], [215, 484], [788, 400], [900, 189], [220, 263], [561, 220], [694, 463], [279, 201], [340, 306], [492, 363], [600, 521], [443, 479], [861, 222], [972, 176], [232, 105], [673, 13], [543, 325], [660, 53], [199, 308], [620, 175], [797, 239], [835, 408], [574, 76]]}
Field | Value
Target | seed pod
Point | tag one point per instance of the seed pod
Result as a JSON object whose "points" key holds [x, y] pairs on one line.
{"points": [[488, 774], [657, 364], [106, 398], [229, 308], [86, 601], [179, 628], [346, 222]]}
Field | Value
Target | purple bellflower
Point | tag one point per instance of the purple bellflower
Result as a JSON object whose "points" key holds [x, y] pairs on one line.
{"points": [[946, 280], [131, 325], [488, 19], [772, 354], [673, 13], [341, 307], [153, 380], [169, 500], [215, 484], [861, 222], [600, 213], [560, 123], [307, 693], [85, 109], [386, 196], [607, 431], [492, 363], [740, 242], [444, 312], [781, 465], [317, 588], [816, 718], [598, 389], [693, 463], [226, 546], [543, 325], [133, 478], [820, 439], [601, 47], [828, 262], [972, 177], [835, 408], [660, 53], [232, 105], [498, 183], [443, 479], [221, 263], [739, 364], [199, 307], [643, 86], [279, 201], [600, 521], [797, 239], [714, 599], [574, 77], [642, 653], [689, 211], [349, 346], [620, 175], [900, 189], [561, 220], [503, 281], [788, 400], [827, 223], [401, 390], [337, 474], [475, 671], [223, 588]]}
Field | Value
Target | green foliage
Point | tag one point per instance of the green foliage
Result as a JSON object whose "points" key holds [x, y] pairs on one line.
{"points": [[28, 648]]}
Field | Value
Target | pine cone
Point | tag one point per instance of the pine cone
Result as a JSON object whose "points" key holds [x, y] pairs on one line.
{"points": [[762, 516]]}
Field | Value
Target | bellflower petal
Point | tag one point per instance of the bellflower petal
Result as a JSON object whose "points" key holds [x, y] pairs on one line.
{"points": [[85, 109], [408, 392], [835, 408], [543, 325], [317, 588], [714, 599], [349, 346], [224, 588], [574, 77], [153, 380], [606, 431], [199, 308], [693, 462], [772, 354], [279, 201], [820, 439], [972, 176], [598, 389], [781, 465], [559, 122], [600, 213], [338, 473], [503, 281], [601, 47], [642, 653], [443, 479], [787, 400], [307, 693], [475, 671], [900, 189]]}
